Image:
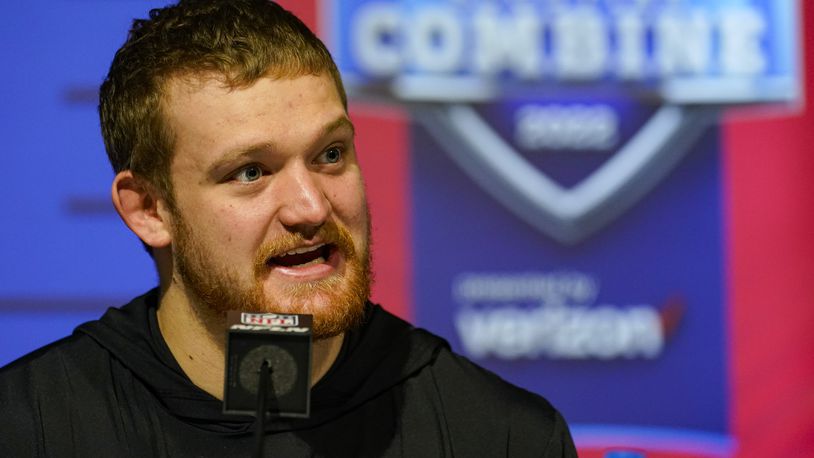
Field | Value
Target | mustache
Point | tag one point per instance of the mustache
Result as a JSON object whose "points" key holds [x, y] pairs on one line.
{"points": [[329, 233]]}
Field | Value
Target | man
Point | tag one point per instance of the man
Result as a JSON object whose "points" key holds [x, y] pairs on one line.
{"points": [[227, 126]]}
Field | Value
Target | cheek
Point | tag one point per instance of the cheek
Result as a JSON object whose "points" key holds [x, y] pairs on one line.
{"points": [[349, 203], [227, 226], [241, 225]]}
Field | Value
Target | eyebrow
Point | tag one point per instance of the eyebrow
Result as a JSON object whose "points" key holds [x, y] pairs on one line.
{"points": [[340, 123], [236, 155]]}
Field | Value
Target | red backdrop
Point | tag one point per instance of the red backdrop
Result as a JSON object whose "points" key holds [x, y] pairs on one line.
{"points": [[769, 180]]}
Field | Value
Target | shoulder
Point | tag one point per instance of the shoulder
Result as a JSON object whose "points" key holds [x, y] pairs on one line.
{"points": [[463, 383], [50, 362], [41, 387], [482, 407], [66, 364]]}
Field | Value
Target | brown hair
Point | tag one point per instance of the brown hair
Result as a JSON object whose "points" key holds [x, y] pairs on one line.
{"points": [[238, 40]]}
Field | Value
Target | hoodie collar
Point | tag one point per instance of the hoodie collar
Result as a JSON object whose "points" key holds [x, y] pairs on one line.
{"points": [[383, 352]]}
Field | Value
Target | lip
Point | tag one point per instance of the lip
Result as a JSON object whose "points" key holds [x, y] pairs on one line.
{"points": [[309, 272], [305, 249]]}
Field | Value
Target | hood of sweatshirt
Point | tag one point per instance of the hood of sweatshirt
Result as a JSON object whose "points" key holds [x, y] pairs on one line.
{"points": [[380, 354]]}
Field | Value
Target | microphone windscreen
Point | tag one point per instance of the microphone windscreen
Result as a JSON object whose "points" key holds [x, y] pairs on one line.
{"points": [[283, 369], [284, 341]]}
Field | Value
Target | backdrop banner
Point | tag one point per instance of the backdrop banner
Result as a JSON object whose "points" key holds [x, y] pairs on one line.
{"points": [[567, 188]]}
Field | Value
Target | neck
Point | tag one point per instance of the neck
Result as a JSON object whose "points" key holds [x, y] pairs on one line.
{"points": [[200, 349]]}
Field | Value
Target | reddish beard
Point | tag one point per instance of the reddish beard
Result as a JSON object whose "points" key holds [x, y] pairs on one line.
{"points": [[215, 288]]}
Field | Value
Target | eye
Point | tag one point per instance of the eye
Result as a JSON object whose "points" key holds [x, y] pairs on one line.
{"points": [[248, 174], [331, 155]]}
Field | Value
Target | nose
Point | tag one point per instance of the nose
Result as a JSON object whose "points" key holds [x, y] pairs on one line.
{"points": [[304, 206]]}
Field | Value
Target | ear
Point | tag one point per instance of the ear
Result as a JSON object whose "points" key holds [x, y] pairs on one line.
{"points": [[140, 207]]}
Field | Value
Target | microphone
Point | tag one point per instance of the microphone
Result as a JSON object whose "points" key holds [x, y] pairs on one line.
{"points": [[268, 365]]}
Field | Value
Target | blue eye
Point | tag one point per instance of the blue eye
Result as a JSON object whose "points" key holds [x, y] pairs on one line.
{"points": [[332, 155], [249, 174]]}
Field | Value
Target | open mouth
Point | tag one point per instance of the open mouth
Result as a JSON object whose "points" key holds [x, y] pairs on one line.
{"points": [[303, 257]]}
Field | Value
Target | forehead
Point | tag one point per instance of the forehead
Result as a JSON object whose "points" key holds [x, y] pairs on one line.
{"points": [[204, 113]]}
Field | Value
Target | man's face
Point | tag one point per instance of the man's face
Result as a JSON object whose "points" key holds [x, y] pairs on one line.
{"points": [[270, 211]]}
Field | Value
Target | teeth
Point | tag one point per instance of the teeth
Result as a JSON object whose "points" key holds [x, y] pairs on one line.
{"points": [[305, 249]]}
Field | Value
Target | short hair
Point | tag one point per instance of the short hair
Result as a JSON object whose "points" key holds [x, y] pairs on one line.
{"points": [[239, 41]]}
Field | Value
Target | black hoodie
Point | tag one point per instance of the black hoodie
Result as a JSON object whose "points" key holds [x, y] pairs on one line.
{"points": [[114, 389]]}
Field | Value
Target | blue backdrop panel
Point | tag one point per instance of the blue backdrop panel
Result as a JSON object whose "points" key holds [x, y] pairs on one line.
{"points": [[60, 237]]}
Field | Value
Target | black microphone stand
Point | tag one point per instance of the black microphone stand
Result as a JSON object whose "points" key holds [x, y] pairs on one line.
{"points": [[264, 382]]}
